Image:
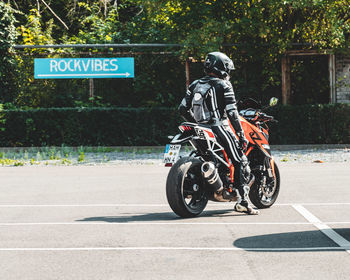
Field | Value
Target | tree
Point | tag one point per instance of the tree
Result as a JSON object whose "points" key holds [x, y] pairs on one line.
{"points": [[256, 33], [8, 37]]}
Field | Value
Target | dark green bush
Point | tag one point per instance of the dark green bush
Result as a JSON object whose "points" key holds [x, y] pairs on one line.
{"points": [[311, 124], [89, 126], [306, 124]]}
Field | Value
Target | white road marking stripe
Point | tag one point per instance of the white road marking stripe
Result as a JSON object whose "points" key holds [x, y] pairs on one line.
{"points": [[83, 205], [179, 249], [212, 205], [325, 229], [164, 223], [313, 203], [152, 223]]}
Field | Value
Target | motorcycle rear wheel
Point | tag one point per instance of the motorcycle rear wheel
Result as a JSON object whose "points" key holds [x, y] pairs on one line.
{"points": [[259, 198], [185, 188]]}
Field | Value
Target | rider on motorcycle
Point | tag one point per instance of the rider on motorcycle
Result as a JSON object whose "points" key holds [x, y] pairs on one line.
{"points": [[211, 100]]}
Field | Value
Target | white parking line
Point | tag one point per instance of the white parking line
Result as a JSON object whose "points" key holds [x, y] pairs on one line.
{"points": [[337, 238], [163, 223], [152, 223], [81, 205], [229, 205], [314, 203], [344, 245], [180, 249]]}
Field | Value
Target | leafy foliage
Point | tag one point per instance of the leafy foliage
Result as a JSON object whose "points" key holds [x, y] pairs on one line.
{"points": [[8, 37], [255, 33]]}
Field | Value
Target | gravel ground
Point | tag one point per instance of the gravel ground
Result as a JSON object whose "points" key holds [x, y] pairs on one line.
{"points": [[292, 156], [313, 155], [154, 156]]}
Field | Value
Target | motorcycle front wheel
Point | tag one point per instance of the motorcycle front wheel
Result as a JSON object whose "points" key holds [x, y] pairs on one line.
{"points": [[185, 188], [265, 195]]}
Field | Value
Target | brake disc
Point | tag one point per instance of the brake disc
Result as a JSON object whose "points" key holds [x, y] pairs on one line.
{"points": [[269, 190]]}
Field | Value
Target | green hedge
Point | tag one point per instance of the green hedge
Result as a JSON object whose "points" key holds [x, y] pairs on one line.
{"points": [[307, 124], [311, 124], [89, 126]]}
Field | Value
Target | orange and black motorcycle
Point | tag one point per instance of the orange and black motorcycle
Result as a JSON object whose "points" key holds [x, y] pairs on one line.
{"points": [[195, 179]]}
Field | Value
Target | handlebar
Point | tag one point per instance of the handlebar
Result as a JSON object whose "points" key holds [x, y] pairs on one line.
{"points": [[266, 117], [257, 115]]}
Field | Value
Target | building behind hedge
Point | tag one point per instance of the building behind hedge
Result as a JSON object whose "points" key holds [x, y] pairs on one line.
{"points": [[338, 73], [342, 76]]}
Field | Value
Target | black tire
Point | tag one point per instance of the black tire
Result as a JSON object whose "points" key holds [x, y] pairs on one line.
{"points": [[257, 196], [183, 200]]}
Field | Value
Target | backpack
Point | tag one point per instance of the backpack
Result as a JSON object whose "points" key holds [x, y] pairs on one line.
{"points": [[199, 107]]}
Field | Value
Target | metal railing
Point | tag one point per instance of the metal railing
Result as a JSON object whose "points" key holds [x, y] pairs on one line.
{"points": [[98, 46]]}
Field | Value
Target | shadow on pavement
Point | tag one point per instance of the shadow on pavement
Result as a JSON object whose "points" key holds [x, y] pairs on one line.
{"points": [[290, 241], [151, 217]]}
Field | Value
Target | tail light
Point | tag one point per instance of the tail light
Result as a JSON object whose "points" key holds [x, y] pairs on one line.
{"points": [[185, 128]]}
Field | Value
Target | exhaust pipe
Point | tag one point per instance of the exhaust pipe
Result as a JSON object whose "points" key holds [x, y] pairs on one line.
{"points": [[211, 175]]}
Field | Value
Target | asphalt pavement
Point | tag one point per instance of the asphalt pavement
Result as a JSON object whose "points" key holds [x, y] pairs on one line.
{"points": [[113, 222]]}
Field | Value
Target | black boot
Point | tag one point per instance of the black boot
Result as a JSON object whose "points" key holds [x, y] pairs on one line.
{"points": [[244, 207]]}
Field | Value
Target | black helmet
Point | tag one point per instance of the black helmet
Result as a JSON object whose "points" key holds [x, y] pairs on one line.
{"points": [[219, 64]]}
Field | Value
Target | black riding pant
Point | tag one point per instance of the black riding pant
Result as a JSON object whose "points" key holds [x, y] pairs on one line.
{"points": [[240, 162]]}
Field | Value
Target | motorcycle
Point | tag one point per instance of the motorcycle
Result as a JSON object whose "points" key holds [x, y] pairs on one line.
{"points": [[207, 173]]}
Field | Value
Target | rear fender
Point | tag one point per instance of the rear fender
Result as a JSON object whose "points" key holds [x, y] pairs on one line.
{"points": [[188, 132], [181, 138]]}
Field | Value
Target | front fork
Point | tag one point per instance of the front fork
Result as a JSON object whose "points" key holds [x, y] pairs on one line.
{"points": [[270, 166]]}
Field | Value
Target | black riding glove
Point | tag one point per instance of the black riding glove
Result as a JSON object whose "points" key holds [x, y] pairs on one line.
{"points": [[243, 142]]}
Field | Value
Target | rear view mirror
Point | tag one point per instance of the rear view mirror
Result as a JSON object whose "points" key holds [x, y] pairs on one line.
{"points": [[273, 101]]}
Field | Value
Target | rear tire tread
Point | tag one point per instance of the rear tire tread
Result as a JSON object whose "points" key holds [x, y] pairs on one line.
{"points": [[174, 186]]}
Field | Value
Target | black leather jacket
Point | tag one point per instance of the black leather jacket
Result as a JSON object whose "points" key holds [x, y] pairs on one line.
{"points": [[221, 104]]}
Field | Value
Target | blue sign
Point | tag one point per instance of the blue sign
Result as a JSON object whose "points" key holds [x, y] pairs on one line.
{"points": [[73, 68]]}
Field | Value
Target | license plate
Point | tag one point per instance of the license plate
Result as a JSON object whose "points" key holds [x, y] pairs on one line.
{"points": [[171, 154]]}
